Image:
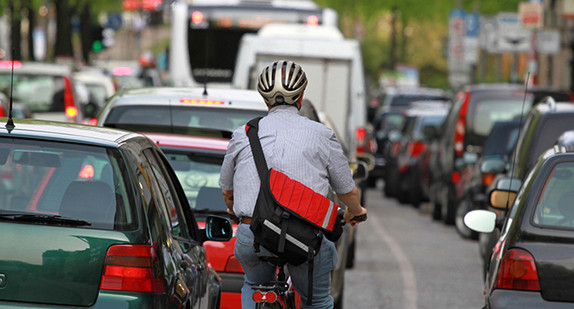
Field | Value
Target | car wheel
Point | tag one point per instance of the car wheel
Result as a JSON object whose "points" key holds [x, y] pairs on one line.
{"points": [[351, 255], [339, 301], [463, 207], [447, 206], [435, 206]]}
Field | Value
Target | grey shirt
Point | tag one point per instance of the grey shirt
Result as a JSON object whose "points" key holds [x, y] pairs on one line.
{"points": [[303, 149]]}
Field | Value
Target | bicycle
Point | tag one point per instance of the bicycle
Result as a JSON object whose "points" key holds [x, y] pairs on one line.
{"points": [[280, 294]]}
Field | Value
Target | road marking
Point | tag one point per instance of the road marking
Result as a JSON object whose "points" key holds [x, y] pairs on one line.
{"points": [[407, 270]]}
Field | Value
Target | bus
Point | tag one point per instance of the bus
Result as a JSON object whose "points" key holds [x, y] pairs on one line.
{"points": [[205, 34]]}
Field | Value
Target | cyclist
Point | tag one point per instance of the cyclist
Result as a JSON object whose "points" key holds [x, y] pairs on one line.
{"points": [[304, 150]]}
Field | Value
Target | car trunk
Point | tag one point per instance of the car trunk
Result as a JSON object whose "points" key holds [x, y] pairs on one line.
{"points": [[52, 264], [555, 265]]}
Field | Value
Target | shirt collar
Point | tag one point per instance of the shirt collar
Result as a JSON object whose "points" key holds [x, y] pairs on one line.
{"points": [[284, 109]]}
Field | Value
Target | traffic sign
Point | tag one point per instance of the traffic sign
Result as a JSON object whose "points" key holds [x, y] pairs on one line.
{"points": [[548, 42], [472, 27], [511, 36], [531, 15], [488, 34]]}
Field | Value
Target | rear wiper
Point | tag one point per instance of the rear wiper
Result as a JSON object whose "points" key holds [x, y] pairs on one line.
{"points": [[42, 218]]}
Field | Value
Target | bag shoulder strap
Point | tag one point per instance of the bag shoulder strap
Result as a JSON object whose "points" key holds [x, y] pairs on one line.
{"points": [[252, 129]]}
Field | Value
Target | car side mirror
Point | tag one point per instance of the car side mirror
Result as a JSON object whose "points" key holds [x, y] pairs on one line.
{"points": [[480, 220], [504, 192], [217, 229], [493, 166], [360, 170]]}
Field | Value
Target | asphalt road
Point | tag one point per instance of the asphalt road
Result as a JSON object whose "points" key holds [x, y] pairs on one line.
{"points": [[404, 260]]}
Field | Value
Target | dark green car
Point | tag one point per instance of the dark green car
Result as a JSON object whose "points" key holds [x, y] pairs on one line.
{"points": [[95, 217]]}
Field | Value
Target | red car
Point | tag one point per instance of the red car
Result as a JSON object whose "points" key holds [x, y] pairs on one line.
{"points": [[197, 164]]}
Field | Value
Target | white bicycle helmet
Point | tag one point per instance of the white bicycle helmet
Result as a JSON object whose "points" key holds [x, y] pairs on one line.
{"points": [[282, 82]]}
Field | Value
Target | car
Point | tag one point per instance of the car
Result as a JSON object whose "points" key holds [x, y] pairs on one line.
{"points": [[44, 91], [428, 116], [99, 85], [180, 109], [388, 118], [543, 125], [95, 217], [474, 112], [130, 73], [529, 266]]}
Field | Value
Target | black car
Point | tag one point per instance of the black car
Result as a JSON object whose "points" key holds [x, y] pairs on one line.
{"points": [[403, 178], [531, 265], [388, 118], [466, 129], [544, 124]]}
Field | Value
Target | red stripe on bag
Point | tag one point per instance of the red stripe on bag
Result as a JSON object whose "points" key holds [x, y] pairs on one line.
{"points": [[302, 200]]}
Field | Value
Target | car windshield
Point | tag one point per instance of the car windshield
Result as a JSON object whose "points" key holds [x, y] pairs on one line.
{"points": [[37, 93], [182, 116], [42, 179], [555, 207], [198, 173]]}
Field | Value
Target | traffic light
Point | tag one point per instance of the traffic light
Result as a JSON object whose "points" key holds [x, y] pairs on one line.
{"points": [[97, 38]]}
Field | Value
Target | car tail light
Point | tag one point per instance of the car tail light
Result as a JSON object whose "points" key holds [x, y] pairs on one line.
{"points": [[233, 265], [395, 149], [197, 17], [131, 268], [93, 122], [312, 20], [70, 104], [487, 179], [455, 177], [2, 111], [518, 271], [416, 149], [360, 134], [460, 128]]}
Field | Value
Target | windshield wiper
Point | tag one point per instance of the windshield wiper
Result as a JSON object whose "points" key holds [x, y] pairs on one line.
{"points": [[42, 218]]}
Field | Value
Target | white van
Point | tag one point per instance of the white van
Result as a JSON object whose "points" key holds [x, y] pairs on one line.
{"points": [[332, 63]]}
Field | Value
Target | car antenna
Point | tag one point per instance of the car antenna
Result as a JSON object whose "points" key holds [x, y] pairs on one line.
{"points": [[512, 166], [10, 123]]}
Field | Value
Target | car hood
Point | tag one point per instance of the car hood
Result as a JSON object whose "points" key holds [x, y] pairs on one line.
{"points": [[52, 264]]}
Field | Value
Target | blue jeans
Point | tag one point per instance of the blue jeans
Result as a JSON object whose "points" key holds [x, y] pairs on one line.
{"points": [[259, 272]]}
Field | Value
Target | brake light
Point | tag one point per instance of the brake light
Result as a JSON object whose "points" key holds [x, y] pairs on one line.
{"points": [[233, 265], [312, 20], [197, 17], [87, 172], [416, 149], [69, 102], [360, 134], [460, 128], [93, 122], [518, 271], [202, 101], [455, 177], [122, 71], [487, 179], [131, 268], [7, 64], [2, 112]]}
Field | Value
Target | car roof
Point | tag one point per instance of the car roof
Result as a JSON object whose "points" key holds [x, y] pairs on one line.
{"points": [[188, 141], [35, 68], [216, 97], [67, 132], [558, 107], [416, 90]]}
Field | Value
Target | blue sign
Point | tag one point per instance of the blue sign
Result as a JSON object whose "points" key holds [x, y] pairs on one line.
{"points": [[457, 22], [114, 21], [472, 24]]}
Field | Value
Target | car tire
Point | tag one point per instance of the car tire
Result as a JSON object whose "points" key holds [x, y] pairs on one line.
{"points": [[447, 205], [462, 208], [351, 255], [435, 206]]}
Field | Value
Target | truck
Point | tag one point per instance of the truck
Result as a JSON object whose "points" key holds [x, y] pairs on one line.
{"points": [[333, 66]]}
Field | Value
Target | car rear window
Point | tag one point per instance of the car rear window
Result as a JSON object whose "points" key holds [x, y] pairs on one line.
{"points": [[76, 182], [198, 172], [555, 207], [406, 100], [37, 93], [486, 109], [182, 116]]}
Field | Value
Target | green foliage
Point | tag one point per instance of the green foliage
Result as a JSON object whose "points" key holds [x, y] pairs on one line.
{"points": [[425, 25]]}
